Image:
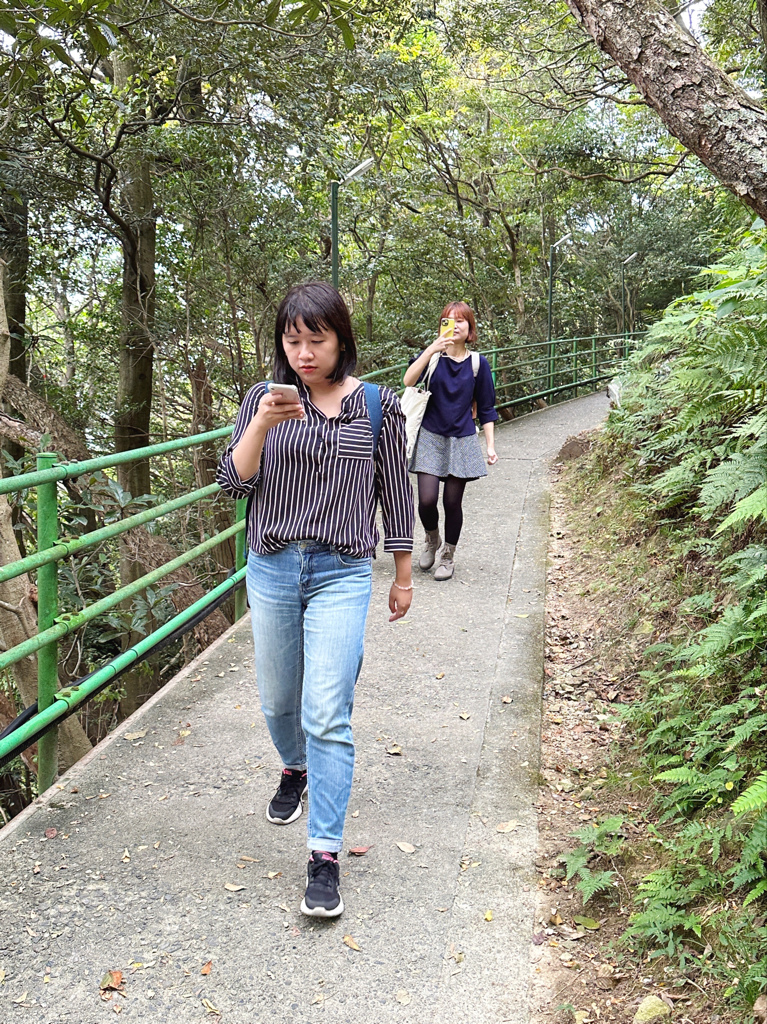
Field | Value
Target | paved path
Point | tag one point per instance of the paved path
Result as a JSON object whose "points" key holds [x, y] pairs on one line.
{"points": [[167, 813]]}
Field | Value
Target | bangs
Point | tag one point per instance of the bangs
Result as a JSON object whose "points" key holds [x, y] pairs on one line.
{"points": [[302, 306]]}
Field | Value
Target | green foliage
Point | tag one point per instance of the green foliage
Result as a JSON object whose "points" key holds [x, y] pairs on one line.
{"points": [[599, 844], [692, 444]]}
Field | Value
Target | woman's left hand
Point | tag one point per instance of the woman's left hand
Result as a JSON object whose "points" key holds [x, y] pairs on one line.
{"points": [[492, 458], [399, 602]]}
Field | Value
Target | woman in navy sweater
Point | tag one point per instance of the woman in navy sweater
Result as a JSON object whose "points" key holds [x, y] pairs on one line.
{"points": [[447, 448]]}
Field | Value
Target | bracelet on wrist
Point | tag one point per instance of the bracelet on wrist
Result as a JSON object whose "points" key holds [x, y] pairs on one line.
{"points": [[400, 587]]}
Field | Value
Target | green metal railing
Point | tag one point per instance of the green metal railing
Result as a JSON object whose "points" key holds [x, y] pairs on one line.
{"points": [[522, 373], [528, 371], [54, 704]]}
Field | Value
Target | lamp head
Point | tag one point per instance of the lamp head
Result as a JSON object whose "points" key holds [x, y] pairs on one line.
{"points": [[359, 170]]}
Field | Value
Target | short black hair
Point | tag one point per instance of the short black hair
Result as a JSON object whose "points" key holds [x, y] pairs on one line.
{"points": [[320, 307]]}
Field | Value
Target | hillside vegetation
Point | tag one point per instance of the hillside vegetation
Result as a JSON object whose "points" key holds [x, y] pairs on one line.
{"points": [[681, 470]]}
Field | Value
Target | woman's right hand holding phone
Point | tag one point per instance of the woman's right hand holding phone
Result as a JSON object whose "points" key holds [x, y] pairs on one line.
{"points": [[440, 344], [274, 409]]}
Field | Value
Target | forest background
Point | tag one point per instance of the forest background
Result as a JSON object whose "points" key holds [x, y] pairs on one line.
{"points": [[165, 177]]}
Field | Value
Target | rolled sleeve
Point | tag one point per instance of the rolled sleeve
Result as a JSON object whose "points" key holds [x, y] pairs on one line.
{"points": [[392, 482], [484, 393], [227, 477]]}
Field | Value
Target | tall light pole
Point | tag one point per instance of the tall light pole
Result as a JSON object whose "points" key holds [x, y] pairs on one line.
{"points": [[356, 172], [552, 247], [623, 296]]}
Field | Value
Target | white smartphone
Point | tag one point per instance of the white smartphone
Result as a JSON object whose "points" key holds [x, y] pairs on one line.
{"points": [[289, 391]]}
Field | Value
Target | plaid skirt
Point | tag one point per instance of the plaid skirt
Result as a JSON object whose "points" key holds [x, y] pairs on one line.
{"points": [[448, 456]]}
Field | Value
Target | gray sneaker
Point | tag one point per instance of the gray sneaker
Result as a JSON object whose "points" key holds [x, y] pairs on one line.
{"points": [[446, 565], [430, 549]]}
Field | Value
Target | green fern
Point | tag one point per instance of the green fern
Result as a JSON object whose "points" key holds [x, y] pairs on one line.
{"points": [[754, 798], [756, 892], [592, 882]]}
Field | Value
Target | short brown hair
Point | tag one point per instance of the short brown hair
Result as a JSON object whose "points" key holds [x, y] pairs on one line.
{"points": [[466, 313]]}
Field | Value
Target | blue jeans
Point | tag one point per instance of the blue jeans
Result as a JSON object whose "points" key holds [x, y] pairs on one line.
{"points": [[308, 606]]}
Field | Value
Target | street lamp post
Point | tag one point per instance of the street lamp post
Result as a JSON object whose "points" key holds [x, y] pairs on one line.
{"points": [[334, 186], [623, 298], [552, 247]]}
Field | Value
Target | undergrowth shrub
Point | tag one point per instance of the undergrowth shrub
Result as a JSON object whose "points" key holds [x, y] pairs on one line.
{"points": [[689, 448]]}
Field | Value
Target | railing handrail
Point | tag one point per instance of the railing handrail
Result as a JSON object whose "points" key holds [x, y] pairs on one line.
{"points": [[70, 470]]}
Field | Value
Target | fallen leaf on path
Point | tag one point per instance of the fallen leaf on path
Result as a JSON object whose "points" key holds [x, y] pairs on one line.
{"points": [[209, 1006], [506, 699], [231, 887], [51, 833], [355, 814], [112, 981], [250, 860], [508, 826], [349, 941], [21, 999], [395, 750], [488, 915], [525, 616], [269, 874], [126, 856], [359, 851], [406, 847], [135, 735], [206, 967], [538, 938], [464, 715], [440, 675], [403, 997], [588, 922]]}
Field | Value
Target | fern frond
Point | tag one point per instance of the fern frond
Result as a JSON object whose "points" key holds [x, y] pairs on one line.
{"points": [[753, 799]]}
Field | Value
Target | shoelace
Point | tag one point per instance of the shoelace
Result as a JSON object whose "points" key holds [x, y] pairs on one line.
{"points": [[291, 780], [323, 872]]}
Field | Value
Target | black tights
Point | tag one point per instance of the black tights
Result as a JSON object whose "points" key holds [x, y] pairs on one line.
{"points": [[452, 496]]}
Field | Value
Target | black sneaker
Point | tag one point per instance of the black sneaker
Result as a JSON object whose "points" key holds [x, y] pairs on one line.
{"points": [[322, 897], [285, 806]]}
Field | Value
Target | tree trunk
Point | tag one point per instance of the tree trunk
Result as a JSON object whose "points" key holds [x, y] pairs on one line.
{"points": [[14, 251], [697, 101], [205, 460], [134, 398], [369, 309]]}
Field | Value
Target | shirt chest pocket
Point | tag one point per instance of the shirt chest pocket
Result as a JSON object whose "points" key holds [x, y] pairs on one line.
{"points": [[355, 440]]}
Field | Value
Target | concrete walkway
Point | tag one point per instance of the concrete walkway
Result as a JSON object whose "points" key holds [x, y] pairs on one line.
{"points": [[153, 856]]}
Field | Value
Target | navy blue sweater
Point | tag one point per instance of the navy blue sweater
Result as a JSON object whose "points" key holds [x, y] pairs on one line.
{"points": [[453, 388]]}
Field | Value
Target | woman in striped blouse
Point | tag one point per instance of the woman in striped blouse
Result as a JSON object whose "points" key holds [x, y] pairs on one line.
{"points": [[314, 468]]}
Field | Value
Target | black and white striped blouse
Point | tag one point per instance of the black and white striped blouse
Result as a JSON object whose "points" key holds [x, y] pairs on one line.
{"points": [[318, 480]]}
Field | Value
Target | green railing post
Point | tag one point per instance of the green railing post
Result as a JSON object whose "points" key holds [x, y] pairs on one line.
{"points": [[593, 355], [575, 364], [493, 364], [334, 232], [47, 610], [240, 597]]}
